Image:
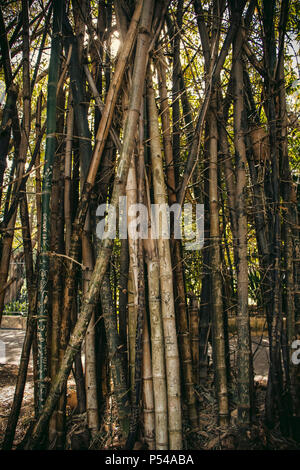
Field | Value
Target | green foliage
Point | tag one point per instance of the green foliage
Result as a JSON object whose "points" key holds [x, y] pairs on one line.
{"points": [[16, 307], [255, 285]]}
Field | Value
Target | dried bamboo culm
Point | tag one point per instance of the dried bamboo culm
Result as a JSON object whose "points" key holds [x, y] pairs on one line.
{"points": [[166, 283]]}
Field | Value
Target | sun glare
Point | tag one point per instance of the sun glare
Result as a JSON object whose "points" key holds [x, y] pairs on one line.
{"points": [[115, 44]]}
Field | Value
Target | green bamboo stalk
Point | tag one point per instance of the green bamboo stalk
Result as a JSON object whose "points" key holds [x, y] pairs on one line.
{"points": [[43, 287], [56, 431]]}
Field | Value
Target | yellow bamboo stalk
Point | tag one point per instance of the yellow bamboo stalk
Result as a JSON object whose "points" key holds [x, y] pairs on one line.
{"points": [[166, 282]]}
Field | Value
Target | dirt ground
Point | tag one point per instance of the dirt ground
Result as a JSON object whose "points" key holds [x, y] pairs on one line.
{"points": [[208, 436], [8, 376]]}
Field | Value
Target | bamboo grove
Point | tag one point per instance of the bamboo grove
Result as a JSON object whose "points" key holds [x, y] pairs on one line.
{"points": [[164, 102]]}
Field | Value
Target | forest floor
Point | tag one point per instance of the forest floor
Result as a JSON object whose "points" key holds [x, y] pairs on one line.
{"points": [[10, 350], [208, 435]]}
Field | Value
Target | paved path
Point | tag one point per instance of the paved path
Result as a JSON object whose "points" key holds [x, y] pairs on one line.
{"points": [[260, 348], [11, 342]]}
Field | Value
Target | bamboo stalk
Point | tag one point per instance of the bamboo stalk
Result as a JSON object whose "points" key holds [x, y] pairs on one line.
{"points": [[131, 193], [166, 282], [180, 304], [157, 344], [5, 130], [194, 335], [67, 173], [90, 357], [115, 358], [43, 294], [56, 425], [216, 280], [140, 310], [243, 323], [38, 186], [157, 336], [131, 309], [148, 397]]}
